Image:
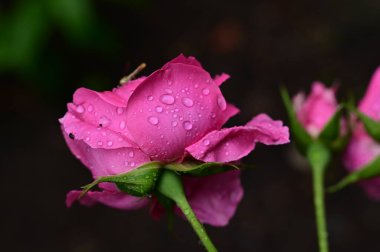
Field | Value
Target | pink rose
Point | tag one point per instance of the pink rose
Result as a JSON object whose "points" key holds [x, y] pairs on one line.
{"points": [[174, 114], [362, 149], [315, 111]]}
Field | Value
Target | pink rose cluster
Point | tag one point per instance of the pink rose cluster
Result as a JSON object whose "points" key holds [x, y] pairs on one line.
{"points": [[315, 110], [174, 114]]}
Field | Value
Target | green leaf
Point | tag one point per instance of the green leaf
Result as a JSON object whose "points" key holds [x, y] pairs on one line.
{"points": [[203, 169], [331, 131], [372, 127], [300, 135], [367, 172], [139, 182]]}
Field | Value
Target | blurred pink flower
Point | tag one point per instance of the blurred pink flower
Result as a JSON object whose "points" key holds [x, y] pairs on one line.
{"points": [[362, 149], [315, 110], [175, 113]]}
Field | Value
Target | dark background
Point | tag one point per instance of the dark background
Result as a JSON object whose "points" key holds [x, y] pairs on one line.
{"points": [[48, 48]]}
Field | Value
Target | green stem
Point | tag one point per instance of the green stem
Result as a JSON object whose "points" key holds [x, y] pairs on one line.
{"points": [[170, 185], [319, 157]]}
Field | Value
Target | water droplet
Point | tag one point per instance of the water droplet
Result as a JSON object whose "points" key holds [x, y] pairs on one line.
{"points": [[170, 83], [206, 142], [149, 98], [168, 91], [187, 125], [80, 109], [90, 108], [196, 86], [122, 125], [119, 110], [213, 115], [100, 143], [206, 91], [109, 143], [104, 121], [174, 123], [167, 99], [199, 115], [161, 136], [175, 115], [87, 139], [221, 102], [131, 154], [227, 153], [159, 109], [133, 164], [153, 120], [187, 102]]}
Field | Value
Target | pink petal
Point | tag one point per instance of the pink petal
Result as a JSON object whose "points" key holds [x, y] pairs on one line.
{"points": [[126, 89], [173, 108], [370, 104], [361, 151], [317, 109], [104, 162], [113, 199], [232, 144], [95, 137], [181, 59], [219, 79], [214, 198], [100, 116]]}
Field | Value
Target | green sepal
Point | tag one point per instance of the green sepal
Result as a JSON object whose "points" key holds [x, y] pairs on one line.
{"points": [[367, 172], [200, 169], [372, 127], [301, 137], [331, 131], [139, 182]]}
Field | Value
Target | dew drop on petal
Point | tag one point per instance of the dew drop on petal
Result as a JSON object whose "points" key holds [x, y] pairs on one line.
{"points": [[100, 143], [149, 98], [109, 143], [187, 102], [131, 154], [206, 142], [153, 120], [90, 108], [196, 86], [221, 102], [119, 110], [187, 125], [104, 121], [122, 125], [174, 123], [159, 109], [80, 109], [213, 115], [169, 91], [167, 99], [206, 91], [133, 164]]}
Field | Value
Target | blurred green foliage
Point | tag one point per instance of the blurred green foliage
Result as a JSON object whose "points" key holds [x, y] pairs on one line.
{"points": [[41, 40]]}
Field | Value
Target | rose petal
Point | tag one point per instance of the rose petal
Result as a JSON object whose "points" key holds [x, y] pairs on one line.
{"points": [[214, 198], [370, 104], [317, 109], [96, 115], [361, 151], [181, 59], [104, 162], [174, 108], [95, 137], [232, 144], [126, 89], [220, 78], [117, 200]]}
